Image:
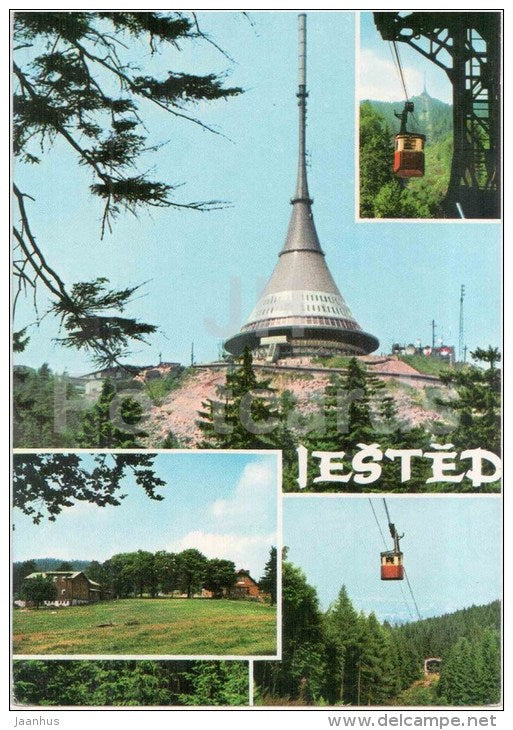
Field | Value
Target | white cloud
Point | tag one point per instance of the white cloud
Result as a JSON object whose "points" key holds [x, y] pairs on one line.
{"points": [[253, 503], [379, 79], [248, 552]]}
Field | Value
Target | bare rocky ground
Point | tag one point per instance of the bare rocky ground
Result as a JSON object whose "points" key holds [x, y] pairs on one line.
{"points": [[178, 411]]}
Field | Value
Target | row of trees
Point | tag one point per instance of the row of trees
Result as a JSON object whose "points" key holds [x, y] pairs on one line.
{"points": [[343, 656], [144, 573], [130, 683]]}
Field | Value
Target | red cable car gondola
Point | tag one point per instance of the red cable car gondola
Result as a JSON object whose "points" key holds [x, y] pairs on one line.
{"points": [[392, 565], [408, 149], [392, 560]]}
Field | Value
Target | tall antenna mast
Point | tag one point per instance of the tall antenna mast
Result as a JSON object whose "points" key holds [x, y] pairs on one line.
{"points": [[461, 337], [301, 193]]}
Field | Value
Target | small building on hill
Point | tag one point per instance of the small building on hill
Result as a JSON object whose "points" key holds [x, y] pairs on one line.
{"points": [[92, 383], [245, 587], [73, 588]]}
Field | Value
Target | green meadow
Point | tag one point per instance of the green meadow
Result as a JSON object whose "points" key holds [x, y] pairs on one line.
{"points": [[148, 626]]}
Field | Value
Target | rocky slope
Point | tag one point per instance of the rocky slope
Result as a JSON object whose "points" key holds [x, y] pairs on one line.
{"points": [[413, 394]]}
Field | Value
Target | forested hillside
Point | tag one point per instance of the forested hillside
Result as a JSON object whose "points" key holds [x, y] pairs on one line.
{"points": [[381, 194], [344, 657], [432, 117], [310, 409]]}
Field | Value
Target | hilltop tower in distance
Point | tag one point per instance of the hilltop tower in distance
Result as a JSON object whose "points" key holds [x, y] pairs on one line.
{"points": [[301, 311]]}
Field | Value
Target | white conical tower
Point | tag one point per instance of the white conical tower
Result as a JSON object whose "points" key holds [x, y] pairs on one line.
{"points": [[301, 311]]}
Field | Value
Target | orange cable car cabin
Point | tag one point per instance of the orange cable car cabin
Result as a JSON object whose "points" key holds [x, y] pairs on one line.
{"points": [[392, 565], [409, 155], [392, 560], [408, 148]]}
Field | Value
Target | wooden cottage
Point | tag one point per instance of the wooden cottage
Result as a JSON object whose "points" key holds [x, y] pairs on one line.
{"points": [[245, 586], [73, 588]]}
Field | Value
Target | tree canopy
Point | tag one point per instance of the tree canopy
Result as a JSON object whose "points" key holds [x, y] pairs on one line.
{"points": [[76, 81], [38, 589], [130, 683], [45, 483]]}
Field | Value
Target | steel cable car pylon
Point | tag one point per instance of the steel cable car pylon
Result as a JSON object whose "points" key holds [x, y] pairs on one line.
{"points": [[467, 46], [392, 560]]}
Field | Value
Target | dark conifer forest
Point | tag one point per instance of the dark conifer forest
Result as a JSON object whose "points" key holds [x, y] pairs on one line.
{"points": [[130, 683], [345, 657]]}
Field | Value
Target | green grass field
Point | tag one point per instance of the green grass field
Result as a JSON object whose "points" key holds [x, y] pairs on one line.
{"points": [[148, 626]]}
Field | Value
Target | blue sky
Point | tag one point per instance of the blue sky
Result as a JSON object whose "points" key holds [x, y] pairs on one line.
{"points": [[452, 551], [396, 278], [379, 79], [224, 504]]}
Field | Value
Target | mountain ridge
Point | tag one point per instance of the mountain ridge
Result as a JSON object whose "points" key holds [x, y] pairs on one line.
{"points": [[432, 117]]}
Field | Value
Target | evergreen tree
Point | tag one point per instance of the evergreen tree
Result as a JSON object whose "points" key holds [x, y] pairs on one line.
{"points": [[110, 425], [301, 673], [217, 683], [409, 661], [269, 581], [19, 572], [346, 415], [458, 681], [37, 398], [376, 673], [170, 442], [76, 84], [245, 415], [342, 638], [478, 402], [489, 668], [65, 566]]}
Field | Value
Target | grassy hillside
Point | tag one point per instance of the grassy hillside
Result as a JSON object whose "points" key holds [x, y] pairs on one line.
{"points": [[426, 365], [148, 626]]}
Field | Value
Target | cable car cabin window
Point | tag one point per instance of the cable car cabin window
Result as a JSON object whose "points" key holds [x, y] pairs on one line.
{"points": [[409, 155], [392, 566], [409, 142]]}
